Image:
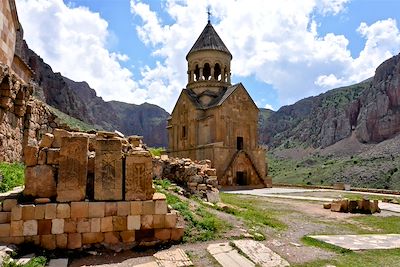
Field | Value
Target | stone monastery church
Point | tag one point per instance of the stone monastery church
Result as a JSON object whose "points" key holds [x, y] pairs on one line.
{"points": [[216, 120]]}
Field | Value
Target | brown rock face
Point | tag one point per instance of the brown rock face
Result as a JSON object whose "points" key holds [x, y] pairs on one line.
{"points": [[39, 181], [371, 109]]}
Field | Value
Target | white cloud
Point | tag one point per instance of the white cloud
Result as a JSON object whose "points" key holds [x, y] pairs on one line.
{"points": [[73, 41], [276, 41], [268, 106]]}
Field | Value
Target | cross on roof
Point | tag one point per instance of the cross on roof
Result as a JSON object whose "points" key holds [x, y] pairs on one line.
{"points": [[209, 13]]}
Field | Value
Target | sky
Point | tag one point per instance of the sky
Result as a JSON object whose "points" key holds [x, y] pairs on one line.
{"points": [[134, 51]]}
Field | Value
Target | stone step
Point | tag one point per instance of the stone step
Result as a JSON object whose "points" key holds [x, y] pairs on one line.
{"points": [[227, 256], [58, 263], [260, 254]]}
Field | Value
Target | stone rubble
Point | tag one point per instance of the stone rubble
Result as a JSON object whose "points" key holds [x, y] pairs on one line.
{"points": [[197, 177], [353, 206]]}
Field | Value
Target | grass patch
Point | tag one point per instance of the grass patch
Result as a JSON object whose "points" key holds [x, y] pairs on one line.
{"points": [[251, 212], [309, 241], [384, 225], [201, 225], [156, 151], [13, 175], [72, 122], [163, 184], [35, 262]]}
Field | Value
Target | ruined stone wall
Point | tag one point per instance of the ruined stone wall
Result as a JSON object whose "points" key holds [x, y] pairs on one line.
{"points": [[23, 120], [195, 176], [83, 189]]}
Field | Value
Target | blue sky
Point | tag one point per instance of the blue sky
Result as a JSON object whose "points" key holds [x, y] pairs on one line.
{"points": [[283, 51]]}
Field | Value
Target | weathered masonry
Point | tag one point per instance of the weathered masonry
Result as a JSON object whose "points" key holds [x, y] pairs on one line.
{"points": [[216, 120], [83, 189]]}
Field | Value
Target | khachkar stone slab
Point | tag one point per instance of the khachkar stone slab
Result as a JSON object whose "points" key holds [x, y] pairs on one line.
{"points": [[138, 176], [108, 170], [72, 174]]}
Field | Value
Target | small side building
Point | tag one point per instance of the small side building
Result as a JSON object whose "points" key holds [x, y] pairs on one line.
{"points": [[216, 120]]}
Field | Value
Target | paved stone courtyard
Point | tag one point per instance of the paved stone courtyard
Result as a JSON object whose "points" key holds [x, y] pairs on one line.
{"points": [[362, 242]]}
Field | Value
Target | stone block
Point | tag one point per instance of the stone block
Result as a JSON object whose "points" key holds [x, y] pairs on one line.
{"points": [[106, 224], [79, 209], [17, 228], [16, 213], [177, 234], [124, 208], [127, 236], [31, 155], [95, 225], [159, 196], [213, 196], [160, 207], [30, 227], [42, 200], [40, 181], [70, 226], [138, 177], [74, 241], [162, 234], [111, 209], [63, 211], [170, 220], [5, 230], [111, 238], [40, 211], [28, 212], [146, 221], [44, 227], [353, 204], [158, 221], [51, 211], [336, 206], [83, 225], [5, 217], [9, 203], [136, 207], [96, 209], [58, 134], [92, 238], [327, 205], [47, 140], [42, 156], [53, 155], [32, 239], [148, 207], [144, 235], [211, 172], [108, 170], [62, 241], [57, 226], [48, 242], [133, 222], [72, 173], [119, 223]]}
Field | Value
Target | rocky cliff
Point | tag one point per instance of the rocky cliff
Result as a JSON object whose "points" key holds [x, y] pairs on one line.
{"points": [[80, 101], [370, 109]]}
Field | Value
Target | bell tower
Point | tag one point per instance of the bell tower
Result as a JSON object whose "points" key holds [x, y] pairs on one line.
{"points": [[209, 66]]}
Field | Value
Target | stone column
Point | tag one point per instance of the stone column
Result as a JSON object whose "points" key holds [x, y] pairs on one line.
{"points": [[229, 76], [72, 173], [108, 170], [212, 74], [201, 74], [223, 74]]}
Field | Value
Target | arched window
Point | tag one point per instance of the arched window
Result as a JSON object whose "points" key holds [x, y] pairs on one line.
{"points": [[207, 72], [217, 72], [196, 73]]}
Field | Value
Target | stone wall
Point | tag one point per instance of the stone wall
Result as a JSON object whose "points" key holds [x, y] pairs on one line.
{"points": [[83, 189], [23, 119], [8, 31]]}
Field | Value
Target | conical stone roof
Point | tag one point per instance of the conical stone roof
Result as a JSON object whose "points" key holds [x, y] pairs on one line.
{"points": [[209, 40]]}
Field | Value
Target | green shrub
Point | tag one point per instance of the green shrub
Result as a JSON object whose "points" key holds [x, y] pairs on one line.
{"points": [[13, 175]]}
